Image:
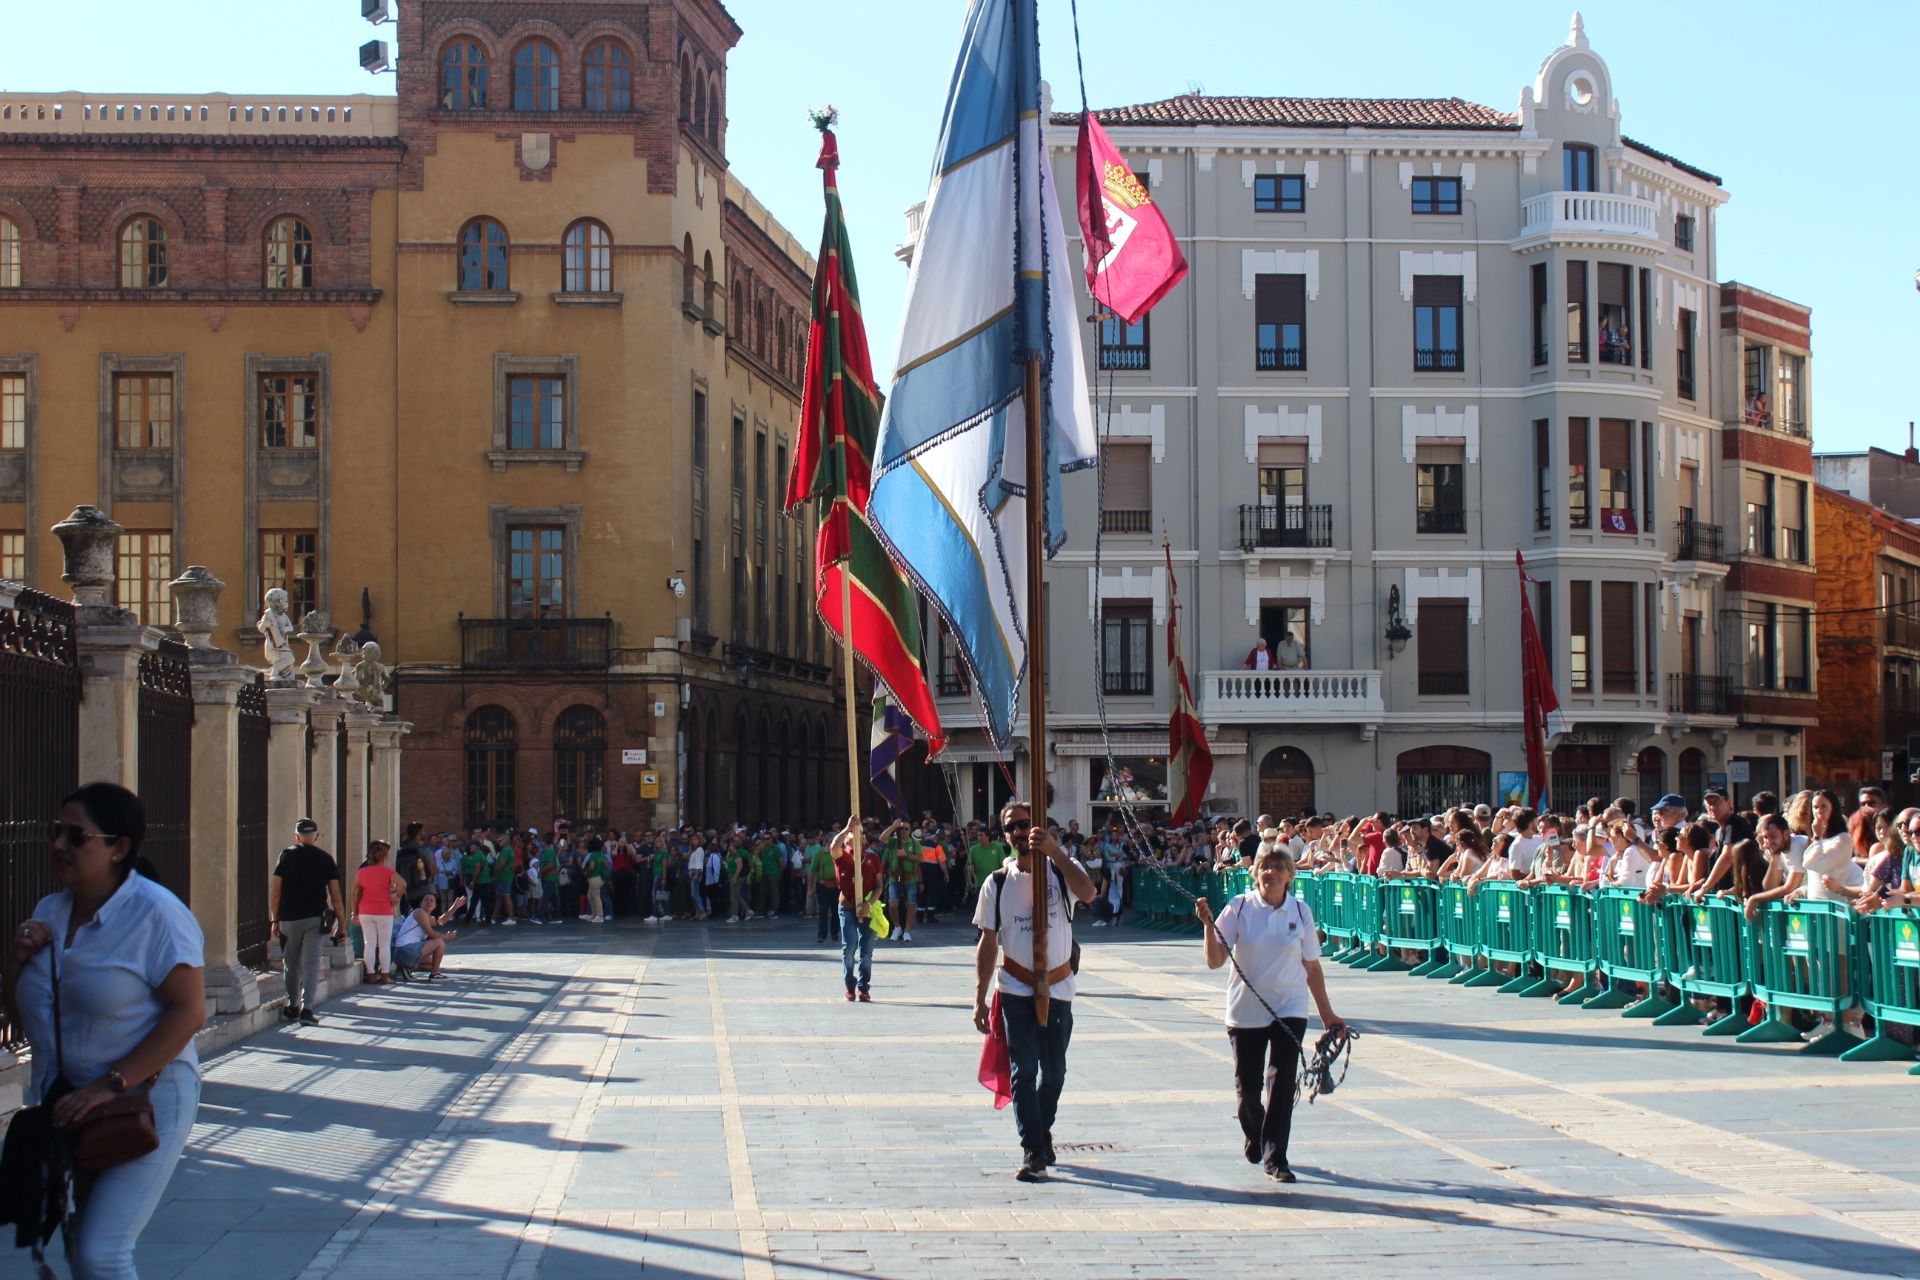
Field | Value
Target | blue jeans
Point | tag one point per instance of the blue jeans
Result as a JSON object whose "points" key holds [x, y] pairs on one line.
{"points": [[116, 1203], [826, 902], [697, 889], [855, 932], [1039, 1059]]}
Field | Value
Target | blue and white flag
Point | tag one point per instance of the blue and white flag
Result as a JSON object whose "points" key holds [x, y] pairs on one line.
{"points": [[991, 285], [891, 735]]}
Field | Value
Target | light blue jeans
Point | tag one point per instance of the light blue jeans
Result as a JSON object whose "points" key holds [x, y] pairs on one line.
{"points": [[115, 1204]]}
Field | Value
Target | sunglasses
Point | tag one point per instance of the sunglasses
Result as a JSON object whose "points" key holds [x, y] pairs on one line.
{"points": [[1022, 825], [75, 836]]}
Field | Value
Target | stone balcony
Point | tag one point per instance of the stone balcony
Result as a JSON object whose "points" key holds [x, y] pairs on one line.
{"points": [[1271, 697], [359, 115], [1589, 218]]}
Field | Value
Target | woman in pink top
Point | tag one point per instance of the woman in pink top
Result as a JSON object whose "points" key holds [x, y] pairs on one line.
{"points": [[375, 888]]}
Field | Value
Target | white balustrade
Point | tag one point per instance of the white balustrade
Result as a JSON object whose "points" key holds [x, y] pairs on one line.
{"points": [[1253, 697], [357, 115], [1589, 213]]}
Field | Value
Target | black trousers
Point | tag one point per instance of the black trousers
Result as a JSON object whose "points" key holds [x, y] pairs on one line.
{"points": [[1266, 1063]]}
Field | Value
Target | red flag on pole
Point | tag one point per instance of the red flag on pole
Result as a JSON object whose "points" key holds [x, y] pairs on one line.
{"points": [[1189, 759], [1132, 257], [1539, 703]]}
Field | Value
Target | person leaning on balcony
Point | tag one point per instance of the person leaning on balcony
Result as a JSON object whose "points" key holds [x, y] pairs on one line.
{"points": [[1291, 655], [1258, 659]]}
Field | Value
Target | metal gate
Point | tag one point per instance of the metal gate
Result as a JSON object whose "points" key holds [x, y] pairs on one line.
{"points": [[251, 928], [166, 763], [40, 743]]}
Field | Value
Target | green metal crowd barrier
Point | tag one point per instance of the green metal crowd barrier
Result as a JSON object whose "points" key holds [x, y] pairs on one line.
{"points": [[1609, 950], [1892, 993]]}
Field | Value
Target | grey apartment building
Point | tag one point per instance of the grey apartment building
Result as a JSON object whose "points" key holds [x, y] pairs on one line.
{"points": [[1417, 336]]}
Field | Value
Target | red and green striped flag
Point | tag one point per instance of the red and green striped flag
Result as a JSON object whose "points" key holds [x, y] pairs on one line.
{"points": [[839, 422]]}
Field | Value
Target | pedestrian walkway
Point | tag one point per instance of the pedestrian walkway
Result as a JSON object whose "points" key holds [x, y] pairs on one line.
{"points": [[618, 1100]]}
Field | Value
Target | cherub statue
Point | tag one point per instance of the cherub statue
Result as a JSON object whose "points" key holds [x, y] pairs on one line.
{"points": [[346, 653], [372, 676], [276, 630]]}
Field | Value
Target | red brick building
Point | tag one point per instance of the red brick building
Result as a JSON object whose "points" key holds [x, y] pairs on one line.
{"points": [[1868, 596]]}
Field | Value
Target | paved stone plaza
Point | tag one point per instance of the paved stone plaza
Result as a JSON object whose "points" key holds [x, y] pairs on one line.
{"points": [[584, 1102]]}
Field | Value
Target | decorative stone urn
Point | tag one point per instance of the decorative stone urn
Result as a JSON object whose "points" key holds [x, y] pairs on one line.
{"points": [[88, 538], [196, 605], [316, 629]]}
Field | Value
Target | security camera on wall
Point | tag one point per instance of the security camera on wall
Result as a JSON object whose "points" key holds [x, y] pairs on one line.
{"points": [[377, 11], [678, 586], [376, 56]]}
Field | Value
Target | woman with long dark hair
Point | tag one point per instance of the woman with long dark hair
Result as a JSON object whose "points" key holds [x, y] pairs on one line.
{"points": [[106, 980]]}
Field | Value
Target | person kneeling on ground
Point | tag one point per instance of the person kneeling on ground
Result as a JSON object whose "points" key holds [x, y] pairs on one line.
{"points": [[417, 940]]}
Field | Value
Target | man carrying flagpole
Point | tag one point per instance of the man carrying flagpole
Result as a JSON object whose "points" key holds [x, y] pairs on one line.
{"points": [[875, 614]]}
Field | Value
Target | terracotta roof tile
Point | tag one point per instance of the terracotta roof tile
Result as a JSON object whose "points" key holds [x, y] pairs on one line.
{"points": [[1305, 113]]}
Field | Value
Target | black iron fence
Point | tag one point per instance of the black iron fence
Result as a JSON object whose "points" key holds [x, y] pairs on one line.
{"points": [[1700, 542], [40, 744], [165, 766], [1440, 520], [1285, 526], [1125, 520], [252, 925]]}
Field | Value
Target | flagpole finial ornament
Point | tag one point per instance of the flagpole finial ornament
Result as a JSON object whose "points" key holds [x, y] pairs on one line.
{"points": [[824, 118]]}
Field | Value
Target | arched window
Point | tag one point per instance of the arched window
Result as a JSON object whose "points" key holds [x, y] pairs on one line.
{"points": [[289, 254], [1579, 774], [1436, 778], [686, 89], [143, 253], [587, 260], [1653, 777], [713, 111], [763, 746], [741, 787], [9, 254], [686, 271], [609, 77], [737, 317], [580, 766], [706, 271], [536, 77], [780, 809], [492, 764], [700, 105], [483, 256], [463, 76], [1693, 775], [760, 327], [780, 346]]}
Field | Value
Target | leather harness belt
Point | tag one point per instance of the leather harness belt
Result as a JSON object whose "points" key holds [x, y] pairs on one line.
{"points": [[1024, 974]]}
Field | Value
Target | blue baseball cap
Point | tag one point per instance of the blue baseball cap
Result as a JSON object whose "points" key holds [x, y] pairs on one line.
{"points": [[1670, 801]]}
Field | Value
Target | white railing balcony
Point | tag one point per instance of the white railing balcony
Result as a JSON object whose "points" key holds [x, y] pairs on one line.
{"points": [[359, 115], [1260, 697], [1582, 215]]}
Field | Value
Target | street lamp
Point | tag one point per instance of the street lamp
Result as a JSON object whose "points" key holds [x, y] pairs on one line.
{"points": [[1398, 633]]}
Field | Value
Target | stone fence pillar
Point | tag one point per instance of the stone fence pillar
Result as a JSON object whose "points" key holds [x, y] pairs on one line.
{"points": [[383, 782], [354, 841], [218, 678], [288, 800], [111, 641]]}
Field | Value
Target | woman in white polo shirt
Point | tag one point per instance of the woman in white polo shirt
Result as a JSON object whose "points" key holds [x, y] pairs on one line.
{"points": [[126, 956], [1276, 953]]}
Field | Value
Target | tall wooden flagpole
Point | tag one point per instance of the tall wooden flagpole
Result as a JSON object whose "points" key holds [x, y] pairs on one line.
{"points": [[853, 730], [1037, 678]]}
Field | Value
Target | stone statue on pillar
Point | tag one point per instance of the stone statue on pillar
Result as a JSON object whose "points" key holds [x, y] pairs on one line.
{"points": [[276, 631], [372, 675]]}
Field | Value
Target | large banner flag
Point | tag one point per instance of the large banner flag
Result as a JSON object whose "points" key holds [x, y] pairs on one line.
{"points": [[839, 419], [1540, 706], [891, 735], [1189, 759], [991, 285], [1132, 257]]}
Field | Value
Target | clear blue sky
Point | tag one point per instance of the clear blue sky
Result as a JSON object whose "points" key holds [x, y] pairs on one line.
{"points": [[1805, 111]]}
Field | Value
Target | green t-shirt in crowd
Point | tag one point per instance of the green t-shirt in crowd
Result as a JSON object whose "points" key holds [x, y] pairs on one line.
{"points": [[598, 865], [770, 861], [503, 865], [470, 864], [549, 865], [820, 863], [985, 859], [740, 864]]}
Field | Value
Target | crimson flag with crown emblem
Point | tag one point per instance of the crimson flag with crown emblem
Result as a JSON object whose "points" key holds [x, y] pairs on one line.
{"points": [[1132, 257]]}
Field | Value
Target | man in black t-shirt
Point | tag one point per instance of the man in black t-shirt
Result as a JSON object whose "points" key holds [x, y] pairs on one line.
{"points": [[411, 864], [306, 880]]}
